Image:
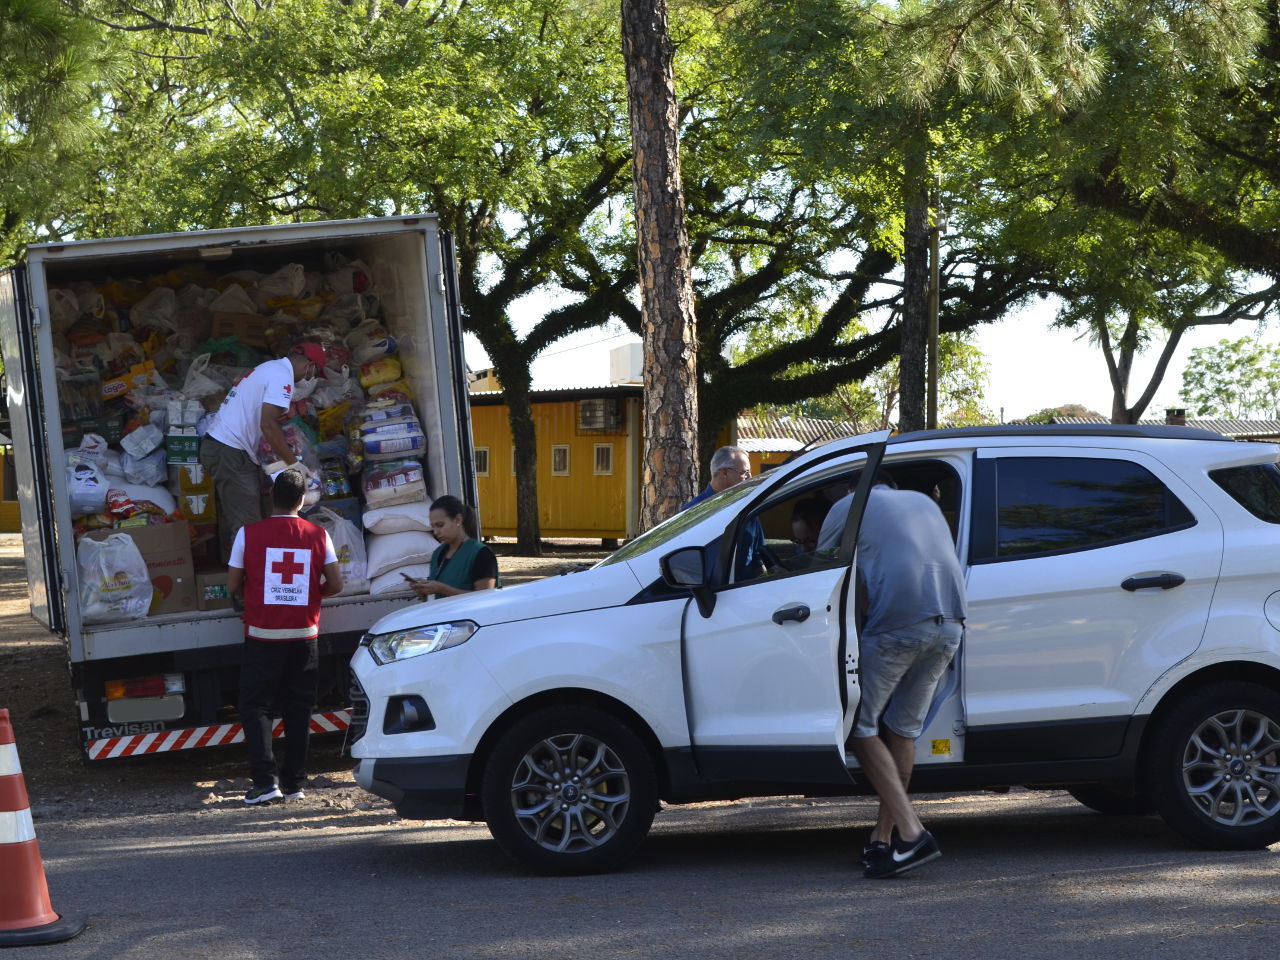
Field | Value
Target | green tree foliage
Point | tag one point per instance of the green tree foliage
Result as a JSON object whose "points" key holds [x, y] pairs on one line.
{"points": [[1020, 101], [1188, 144], [1050, 414], [49, 63], [872, 403], [1234, 378], [1130, 288]]}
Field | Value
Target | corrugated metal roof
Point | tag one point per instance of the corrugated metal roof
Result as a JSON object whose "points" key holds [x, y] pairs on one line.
{"points": [[1226, 427], [769, 444], [771, 432], [482, 398]]}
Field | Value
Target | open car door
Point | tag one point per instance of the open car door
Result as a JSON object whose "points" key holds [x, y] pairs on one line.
{"points": [[767, 656]]}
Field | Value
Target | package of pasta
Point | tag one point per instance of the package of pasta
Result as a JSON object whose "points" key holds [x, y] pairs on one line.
{"points": [[380, 371]]}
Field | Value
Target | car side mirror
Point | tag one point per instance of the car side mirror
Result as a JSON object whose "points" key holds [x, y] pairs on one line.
{"points": [[686, 569]]}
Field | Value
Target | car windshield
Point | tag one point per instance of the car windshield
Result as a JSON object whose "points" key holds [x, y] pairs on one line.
{"points": [[672, 527]]}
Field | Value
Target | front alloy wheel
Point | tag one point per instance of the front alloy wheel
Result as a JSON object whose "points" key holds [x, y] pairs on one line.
{"points": [[1214, 767], [570, 793], [569, 790]]}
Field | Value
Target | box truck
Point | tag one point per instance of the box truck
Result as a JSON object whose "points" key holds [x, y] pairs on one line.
{"points": [[165, 678]]}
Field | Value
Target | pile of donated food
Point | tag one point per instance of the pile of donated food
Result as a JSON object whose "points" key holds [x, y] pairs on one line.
{"points": [[144, 362]]}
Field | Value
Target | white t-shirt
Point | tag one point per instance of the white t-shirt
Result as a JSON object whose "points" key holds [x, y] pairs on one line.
{"points": [[238, 422], [237, 550]]}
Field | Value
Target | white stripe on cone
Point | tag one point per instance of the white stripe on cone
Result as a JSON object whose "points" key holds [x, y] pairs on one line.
{"points": [[9, 764], [17, 827]]}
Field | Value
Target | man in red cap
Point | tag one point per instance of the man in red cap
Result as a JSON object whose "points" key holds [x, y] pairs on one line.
{"points": [[250, 414]]}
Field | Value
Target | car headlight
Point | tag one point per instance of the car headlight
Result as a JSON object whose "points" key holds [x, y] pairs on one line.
{"points": [[403, 644]]}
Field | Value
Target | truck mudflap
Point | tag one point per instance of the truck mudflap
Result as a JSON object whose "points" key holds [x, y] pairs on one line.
{"points": [[192, 738]]}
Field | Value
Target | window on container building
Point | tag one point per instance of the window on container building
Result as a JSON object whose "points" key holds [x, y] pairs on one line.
{"points": [[604, 459], [559, 459]]}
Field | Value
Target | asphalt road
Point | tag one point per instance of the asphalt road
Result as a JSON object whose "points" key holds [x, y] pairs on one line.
{"points": [[1022, 875]]}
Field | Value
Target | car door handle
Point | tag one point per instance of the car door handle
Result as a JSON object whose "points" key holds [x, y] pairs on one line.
{"points": [[799, 613], [1165, 581]]}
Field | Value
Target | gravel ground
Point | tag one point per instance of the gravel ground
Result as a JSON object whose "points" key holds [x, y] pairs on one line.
{"points": [[34, 686]]}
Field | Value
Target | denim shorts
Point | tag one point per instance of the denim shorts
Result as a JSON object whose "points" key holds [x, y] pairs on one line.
{"points": [[901, 669]]}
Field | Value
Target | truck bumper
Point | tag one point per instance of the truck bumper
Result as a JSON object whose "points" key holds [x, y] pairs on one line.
{"points": [[422, 788]]}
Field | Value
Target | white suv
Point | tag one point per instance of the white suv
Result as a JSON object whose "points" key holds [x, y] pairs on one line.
{"points": [[1123, 643]]}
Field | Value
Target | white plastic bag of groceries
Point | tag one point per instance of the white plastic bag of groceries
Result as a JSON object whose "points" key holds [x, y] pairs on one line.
{"points": [[86, 489], [114, 584], [348, 544]]}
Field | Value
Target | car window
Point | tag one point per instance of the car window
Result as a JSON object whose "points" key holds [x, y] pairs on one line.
{"points": [[1057, 504], [1255, 487], [784, 536], [673, 526]]}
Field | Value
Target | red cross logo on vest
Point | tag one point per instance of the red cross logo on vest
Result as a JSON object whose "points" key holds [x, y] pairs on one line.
{"points": [[288, 568], [288, 576]]}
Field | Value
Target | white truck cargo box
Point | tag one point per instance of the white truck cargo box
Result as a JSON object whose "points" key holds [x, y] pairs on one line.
{"points": [[420, 309]]}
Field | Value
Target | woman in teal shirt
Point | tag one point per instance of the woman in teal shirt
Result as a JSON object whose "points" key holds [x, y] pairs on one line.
{"points": [[461, 563]]}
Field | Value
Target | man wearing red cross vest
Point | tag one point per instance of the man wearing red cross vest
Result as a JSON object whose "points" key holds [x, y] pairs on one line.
{"points": [[284, 566]]}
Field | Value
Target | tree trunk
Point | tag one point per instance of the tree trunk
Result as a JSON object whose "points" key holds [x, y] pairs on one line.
{"points": [[915, 290], [666, 284], [513, 372]]}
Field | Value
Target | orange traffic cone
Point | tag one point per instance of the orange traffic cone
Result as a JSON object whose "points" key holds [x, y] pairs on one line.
{"points": [[26, 916]]}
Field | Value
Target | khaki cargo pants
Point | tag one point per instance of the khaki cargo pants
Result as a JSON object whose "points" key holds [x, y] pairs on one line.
{"points": [[237, 483]]}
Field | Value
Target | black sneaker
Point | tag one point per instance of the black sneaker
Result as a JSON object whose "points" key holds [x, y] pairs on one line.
{"points": [[263, 794], [294, 793], [903, 856], [873, 852]]}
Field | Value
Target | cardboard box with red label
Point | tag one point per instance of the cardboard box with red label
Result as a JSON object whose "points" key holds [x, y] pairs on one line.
{"points": [[166, 548]]}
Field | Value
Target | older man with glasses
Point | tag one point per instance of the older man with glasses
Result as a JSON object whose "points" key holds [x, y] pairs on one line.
{"points": [[729, 467]]}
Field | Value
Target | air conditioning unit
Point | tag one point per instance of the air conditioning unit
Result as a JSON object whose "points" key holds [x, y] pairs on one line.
{"points": [[600, 415], [626, 364]]}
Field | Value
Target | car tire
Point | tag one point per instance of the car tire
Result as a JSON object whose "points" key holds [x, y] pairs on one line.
{"points": [[1213, 769], [569, 790], [1112, 802]]}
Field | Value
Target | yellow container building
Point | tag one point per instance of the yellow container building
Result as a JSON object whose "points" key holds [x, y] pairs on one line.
{"points": [[589, 450]]}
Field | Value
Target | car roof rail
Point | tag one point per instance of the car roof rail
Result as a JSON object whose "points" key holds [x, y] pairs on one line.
{"points": [[1154, 431]]}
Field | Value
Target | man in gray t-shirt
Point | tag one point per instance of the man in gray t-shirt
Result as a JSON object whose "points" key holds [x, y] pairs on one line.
{"points": [[915, 610]]}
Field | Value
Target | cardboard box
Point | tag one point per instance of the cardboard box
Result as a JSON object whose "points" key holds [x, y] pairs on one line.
{"points": [[182, 448], [211, 591], [166, 548], [198, 508], [204, 547], [190, 478], [249, 328]]}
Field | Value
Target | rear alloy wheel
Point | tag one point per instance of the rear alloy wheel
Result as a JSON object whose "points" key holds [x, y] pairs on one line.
{"points": [[569, 790], [1214, 767]]}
